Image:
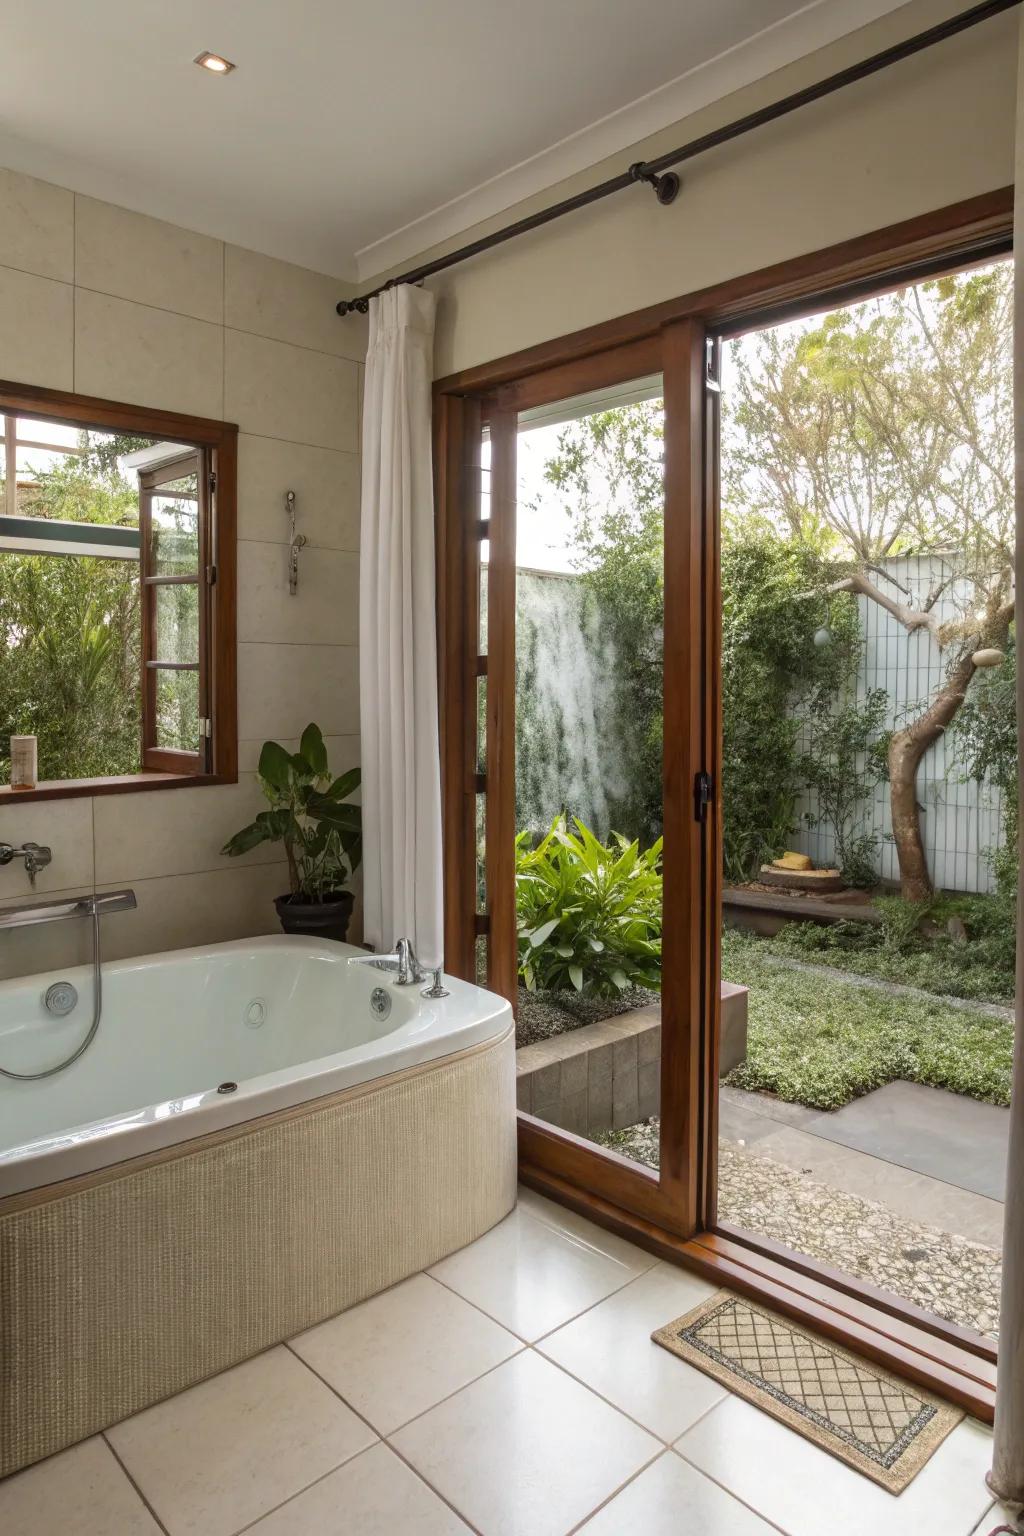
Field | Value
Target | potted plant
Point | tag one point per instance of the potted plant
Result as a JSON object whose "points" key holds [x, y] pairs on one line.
{"points": [[322, 835]]}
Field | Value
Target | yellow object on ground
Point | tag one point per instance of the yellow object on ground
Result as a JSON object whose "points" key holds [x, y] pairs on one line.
{"points": [[793, 861]]}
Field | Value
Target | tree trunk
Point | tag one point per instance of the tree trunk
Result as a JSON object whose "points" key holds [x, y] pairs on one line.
{"points": [[906, 749]]}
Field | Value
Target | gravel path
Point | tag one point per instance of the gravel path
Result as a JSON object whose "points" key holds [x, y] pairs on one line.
{"points": [[950, 1276]]}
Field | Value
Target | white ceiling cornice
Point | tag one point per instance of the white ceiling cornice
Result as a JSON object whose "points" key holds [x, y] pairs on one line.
{"points": [[818, 24]]}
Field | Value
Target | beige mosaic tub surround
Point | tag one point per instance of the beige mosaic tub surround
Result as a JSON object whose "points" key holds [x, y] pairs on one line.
{"points": [[122, 1287]]}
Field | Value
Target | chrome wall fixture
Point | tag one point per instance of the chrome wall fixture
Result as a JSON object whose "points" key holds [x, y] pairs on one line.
{"points": [[35, 857], [297, 541]]}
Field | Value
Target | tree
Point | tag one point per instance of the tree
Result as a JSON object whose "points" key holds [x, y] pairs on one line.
{"points": [[70, 632], [886, 429]]}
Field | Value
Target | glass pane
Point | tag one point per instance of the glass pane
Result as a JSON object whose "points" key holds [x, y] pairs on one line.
{"points": [[174, 514], [481, 868], [589, 619], [177, 711], [481, 725], [54, 433], [869, 892], [177, 622]]}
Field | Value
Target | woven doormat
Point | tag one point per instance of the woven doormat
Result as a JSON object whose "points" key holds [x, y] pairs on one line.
{"points": [[859, 1412]]}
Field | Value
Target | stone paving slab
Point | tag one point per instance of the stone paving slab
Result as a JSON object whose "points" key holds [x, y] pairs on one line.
{"points": [[944, 1135]]}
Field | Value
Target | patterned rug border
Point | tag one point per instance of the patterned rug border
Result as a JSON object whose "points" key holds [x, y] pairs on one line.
{"points": [[909, 1453]]}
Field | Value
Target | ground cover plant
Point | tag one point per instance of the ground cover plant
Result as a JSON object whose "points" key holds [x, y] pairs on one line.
{"points": [[913, 946], [823, 1043]]}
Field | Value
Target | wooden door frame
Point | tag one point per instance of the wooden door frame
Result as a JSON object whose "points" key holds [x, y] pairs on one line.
{"points": [[674, 1212]]}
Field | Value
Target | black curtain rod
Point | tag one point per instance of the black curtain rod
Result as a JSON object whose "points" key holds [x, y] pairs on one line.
{"points": [[656, 173]]}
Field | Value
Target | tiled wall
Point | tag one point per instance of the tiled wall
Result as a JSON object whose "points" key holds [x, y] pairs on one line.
{"points": [[102, 301]]}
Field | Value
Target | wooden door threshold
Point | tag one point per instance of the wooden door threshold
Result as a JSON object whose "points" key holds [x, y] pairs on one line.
{"points": [[952, 1370]]}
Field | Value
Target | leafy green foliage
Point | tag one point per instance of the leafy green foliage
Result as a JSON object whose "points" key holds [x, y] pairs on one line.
{"points": [[322, 836], [981, 969], [842, 767], [822, 1043], [70, 634], [589, 917], [771, 673]]}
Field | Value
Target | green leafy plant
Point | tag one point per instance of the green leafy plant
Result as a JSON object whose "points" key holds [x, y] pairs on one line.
{"points": [[322, 836], [589, 916], [843, 767]]}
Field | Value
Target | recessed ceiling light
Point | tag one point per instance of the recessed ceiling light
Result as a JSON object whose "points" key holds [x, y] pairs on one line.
{"points": [[214, 63]]}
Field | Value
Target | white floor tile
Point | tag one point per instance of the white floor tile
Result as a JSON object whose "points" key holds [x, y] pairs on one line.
{"points": [[374, 1495], [221, 1454], [610, 1349], [531, 1276], [403, 1351], [525, 1451], [671, 1498], [803, 1490], [79, 1492]]}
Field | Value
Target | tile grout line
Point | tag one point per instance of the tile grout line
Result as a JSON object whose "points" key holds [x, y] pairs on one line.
{"points": [[349, 453], [74, 293], [379, 1438], [181, 314], [718, 1484], [615, 1493], [111, 1448], [334, 549]]}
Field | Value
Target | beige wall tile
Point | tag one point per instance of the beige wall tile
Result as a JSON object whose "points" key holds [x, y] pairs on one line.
{"points": [[179, 831], [65, 826], [324, 610], [126, 351], [281, 688], [47, 947], [37, 224], [37, 339], [276, 390], [288, 303], [135, 257], [180, 911], [326, 486], [342, 752]]}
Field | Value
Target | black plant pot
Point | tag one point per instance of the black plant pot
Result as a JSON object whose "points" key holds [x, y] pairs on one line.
{"points": [[327, 919]]}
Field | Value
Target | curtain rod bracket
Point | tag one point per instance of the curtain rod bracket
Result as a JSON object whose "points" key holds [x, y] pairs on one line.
{"points": [[666, 186]]}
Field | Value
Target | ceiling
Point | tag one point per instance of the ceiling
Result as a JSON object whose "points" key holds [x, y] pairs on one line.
{"points": [[348, 139]]}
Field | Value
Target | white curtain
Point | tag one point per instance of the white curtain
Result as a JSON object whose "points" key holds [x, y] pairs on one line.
{"points": [[1008, 1462], [397, 632]]}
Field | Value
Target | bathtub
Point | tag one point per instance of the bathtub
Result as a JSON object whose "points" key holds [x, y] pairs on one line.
{"points": [[200, 1039], [259, 1136]]}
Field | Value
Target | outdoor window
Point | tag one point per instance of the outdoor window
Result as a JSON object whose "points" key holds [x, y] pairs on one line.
{"points": [[116, 589]]}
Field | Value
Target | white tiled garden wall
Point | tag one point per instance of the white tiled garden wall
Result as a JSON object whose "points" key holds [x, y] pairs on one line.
{"points": [[102, 301]]}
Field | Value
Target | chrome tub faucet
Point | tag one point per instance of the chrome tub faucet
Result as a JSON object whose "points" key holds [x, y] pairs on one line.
{"points": [[410, 972]]}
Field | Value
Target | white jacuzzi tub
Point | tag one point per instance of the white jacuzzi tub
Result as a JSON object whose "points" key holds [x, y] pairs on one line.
{"points": [[154, 1230], [284, 1019]]}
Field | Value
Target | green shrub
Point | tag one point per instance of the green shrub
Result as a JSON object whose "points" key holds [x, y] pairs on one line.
{"points": [[589, 916]]}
